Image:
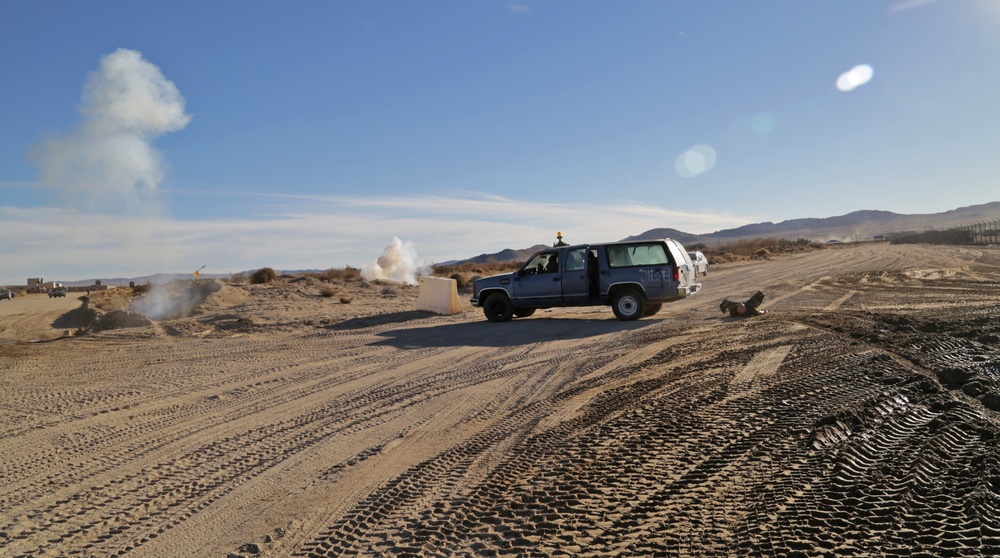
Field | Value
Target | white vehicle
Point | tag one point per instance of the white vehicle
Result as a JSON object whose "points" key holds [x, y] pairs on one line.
{"points": [[700, 262]]}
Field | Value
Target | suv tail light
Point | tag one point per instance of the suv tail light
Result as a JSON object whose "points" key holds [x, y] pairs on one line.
{"points": [[677, 274]]}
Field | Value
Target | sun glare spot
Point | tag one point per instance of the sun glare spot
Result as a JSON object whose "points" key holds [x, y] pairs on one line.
{"points": [[697, 160], [855, 77], [763, 123]]}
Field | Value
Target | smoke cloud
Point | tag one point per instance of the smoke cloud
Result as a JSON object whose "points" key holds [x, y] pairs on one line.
{"points": [[174, 300], [398, 262], [109, 161]]}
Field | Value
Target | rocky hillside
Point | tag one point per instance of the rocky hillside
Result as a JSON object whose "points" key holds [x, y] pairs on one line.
{"points": [[855, 226]]}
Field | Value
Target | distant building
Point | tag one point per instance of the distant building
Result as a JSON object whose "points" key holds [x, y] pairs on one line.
{"points": [[38, 285]]}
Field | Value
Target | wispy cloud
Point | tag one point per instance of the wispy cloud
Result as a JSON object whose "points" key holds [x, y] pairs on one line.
{"points": [[301, 232], [518, 8]]}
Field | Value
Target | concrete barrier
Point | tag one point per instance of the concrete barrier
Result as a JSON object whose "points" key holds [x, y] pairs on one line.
{"points": [[439, 295]]}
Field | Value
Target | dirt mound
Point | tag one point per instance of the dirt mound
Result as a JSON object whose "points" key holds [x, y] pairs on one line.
{"points": [[120, 319], [175, 300], [77, 318], [226, 296]]}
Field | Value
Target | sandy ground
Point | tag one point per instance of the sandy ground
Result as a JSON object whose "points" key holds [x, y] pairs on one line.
{"points": [[859, 417], [36, 317]]}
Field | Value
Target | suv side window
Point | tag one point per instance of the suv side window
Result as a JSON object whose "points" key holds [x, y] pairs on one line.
{"points": [[576, 260], [637, 254], [546, 262]]}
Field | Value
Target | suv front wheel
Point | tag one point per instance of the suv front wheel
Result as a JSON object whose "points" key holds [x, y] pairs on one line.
{"points": [[628, 305], [498, 308]]}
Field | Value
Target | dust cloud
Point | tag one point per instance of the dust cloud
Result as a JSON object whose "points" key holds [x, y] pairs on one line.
{"points": [[173, 300], [398, 263]]}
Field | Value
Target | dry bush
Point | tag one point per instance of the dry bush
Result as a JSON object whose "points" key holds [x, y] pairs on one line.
{"points": [[747, 247], [263, 275], [327, 292], [461, 279], [482, 269], [727, 257], [108, 301], [346, 298], [346, 274], [756, 248]]}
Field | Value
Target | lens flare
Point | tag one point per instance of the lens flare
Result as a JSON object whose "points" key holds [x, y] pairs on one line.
{"points": [[764, 123], [697, 160]]}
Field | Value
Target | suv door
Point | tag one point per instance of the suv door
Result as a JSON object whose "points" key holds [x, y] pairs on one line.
{"points": [[688, 270], [539, 282], [575, 282]]}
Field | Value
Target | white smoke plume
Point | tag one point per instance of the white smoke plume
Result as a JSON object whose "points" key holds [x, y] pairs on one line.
{"points": [[109, 161], [398, 262], [174, 300]]}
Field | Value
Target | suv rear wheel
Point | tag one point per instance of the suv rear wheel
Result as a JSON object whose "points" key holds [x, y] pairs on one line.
{"points": [[628, 305], [498, 308]]}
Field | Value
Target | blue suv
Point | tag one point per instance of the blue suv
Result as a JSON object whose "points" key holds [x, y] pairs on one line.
{"points": [[635, 278]]}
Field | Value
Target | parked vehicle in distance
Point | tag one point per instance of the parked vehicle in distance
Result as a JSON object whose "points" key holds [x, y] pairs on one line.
{"points": [[6, 294], [58, 291], [635, 278], [700, 262]]}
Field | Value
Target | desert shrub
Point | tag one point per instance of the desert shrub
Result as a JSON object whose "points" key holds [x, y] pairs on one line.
{"points": [[263, 275], [727, 257], [482, 269], [141, 289], [798, 242], [346, 298], [343, 275], [108, 301], [757, 248], [327, 292], [461, 278]]}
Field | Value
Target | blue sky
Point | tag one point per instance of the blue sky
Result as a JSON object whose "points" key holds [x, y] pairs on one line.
{"points": [[140, 137]]}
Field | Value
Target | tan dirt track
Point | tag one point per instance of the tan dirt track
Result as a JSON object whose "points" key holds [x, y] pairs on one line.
{"points": [[859, 417], [37, 317]]}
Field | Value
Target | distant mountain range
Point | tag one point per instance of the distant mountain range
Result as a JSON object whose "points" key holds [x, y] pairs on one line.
{"points": [[854, 226]]}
